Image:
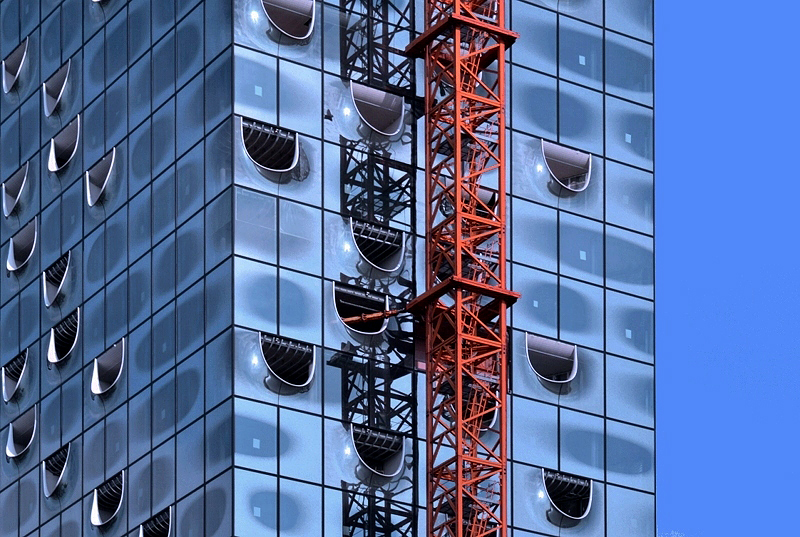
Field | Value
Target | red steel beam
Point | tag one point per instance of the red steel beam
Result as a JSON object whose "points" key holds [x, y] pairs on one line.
{"points": [[465, 306]]}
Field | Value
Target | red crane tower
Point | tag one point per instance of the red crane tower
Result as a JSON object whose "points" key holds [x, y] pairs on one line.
{"points": [[465, 304]]}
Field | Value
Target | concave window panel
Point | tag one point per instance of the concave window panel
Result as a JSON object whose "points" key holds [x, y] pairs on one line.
{"points": [[382, 112], [381, 452], [12, 189], [554, 362], [271, 148], [107, 500], [97, 177], [64, 145], [21, 432], [54, 277], [12, 65], [54, 468], [353, 302], [382, 247], [292, 18], [570, 497], [158, 526], [108, 368], [53, 88], [64, 337], [290, 363], [12, 375], [22, 245], [569, 168]]}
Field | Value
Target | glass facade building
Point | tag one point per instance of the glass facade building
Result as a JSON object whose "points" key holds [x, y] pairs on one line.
{"points": [[200, 197]]}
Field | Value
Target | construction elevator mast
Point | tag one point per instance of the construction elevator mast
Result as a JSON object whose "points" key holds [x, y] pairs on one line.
{"points": [[465, 304]]}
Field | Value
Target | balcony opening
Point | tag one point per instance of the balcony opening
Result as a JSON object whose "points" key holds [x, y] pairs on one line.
{"points": [[97, 177], [64, 145], [53, 89], [12, 65], [570, 497], [108, 368], [290, 364], [382, 112], [20, 434], [12, 374], [158, 526], [63, 338], [353, 302], [292, 18], [381, 247], [554, 362], [570, 170], [22, 245], [381, 452], [53, 279], [12, 189], [272, 149], [107, 500], [54, 468]]}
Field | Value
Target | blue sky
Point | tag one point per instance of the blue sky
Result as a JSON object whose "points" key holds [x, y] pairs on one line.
{"points": [[727, 222]]}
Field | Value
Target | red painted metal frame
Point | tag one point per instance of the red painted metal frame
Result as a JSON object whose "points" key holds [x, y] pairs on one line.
{"points": [[465, 306]]}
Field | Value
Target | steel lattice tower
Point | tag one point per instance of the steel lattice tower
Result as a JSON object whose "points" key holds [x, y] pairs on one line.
{"points": [[465, 303]]}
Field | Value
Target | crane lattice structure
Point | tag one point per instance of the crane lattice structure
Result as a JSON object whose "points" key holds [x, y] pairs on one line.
{"points": [[465, 304]]}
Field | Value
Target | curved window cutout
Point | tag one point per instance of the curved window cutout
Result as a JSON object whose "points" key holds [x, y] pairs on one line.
{"points": [[54, 468], [570, 497], [12, 190], [97, 177], [107, 500], [571, 169], [292, 18], [351, 302], [20, 434], [381, 247], [272, 149], [53, 279], [554, 362], [64, 337], [486, 196], [12, 66], [53, 88], [158, 526], [382, 112], [381, 452], [21, 246], [108, 368], [64, 145], [12, 374], [290, 364]]}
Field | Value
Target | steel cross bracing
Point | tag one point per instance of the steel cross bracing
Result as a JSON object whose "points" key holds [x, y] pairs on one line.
{"points": [[465, 305]]}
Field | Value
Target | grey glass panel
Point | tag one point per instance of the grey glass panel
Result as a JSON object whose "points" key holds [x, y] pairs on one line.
{"points": [[581, 313], [533, 103], [537, 311], [631, 391], [629, 68], [256, 217], [190, 102], [630, 459], [116, 440], [300, 237], [189, 57], [301, 440], [581, 248], [190, 447], [580, 52], [257, 436], [163, 340], [582, 444], [580, 121], [190, 382], [299, 306], [533, 234], [536, 46], [190, 182], [534, 430], [632, 17], [630, 512], [629, 326], [163, 468], [255, 295], [256, 503], [629, 133], [190, 320], [189, 247], [300, 98], [256, 91], [163, 407], [629, 197], [299, 509], [29, 502], [589, 10], [163, 66], [629, 262]]}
